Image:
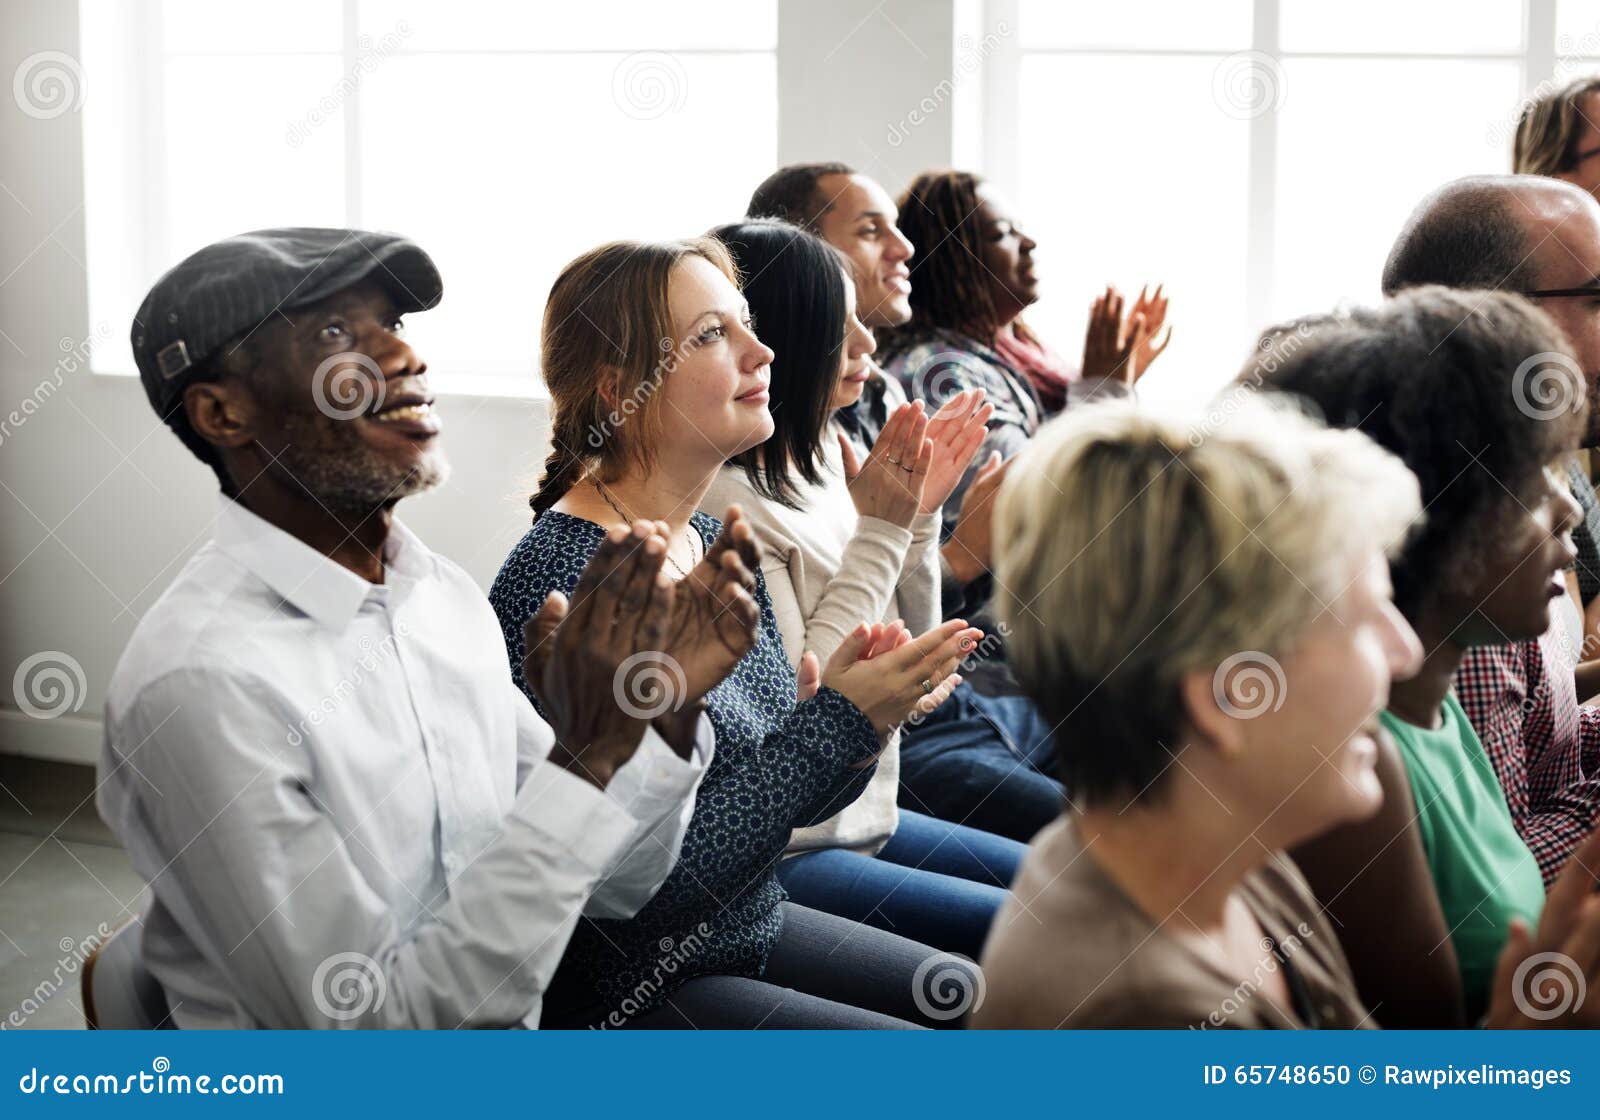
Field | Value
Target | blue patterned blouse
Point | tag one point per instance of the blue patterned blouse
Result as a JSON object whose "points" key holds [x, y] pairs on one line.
{"points": [[779, 765]]}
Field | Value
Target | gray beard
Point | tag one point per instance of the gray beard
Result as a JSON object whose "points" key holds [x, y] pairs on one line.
{"points": [[346, 476]]}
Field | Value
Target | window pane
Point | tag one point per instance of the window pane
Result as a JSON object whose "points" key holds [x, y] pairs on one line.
{"points": [[293, 26], [1354, 160], [114, 226], [1422, 26], [590, 25], [232, 164], [1152, 192], [459, 153], [1578, 27], [1160, 24]]}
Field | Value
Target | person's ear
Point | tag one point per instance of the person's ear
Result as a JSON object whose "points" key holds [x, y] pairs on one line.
{"points": [[608, 386], [222, 413], [1205, 709]]}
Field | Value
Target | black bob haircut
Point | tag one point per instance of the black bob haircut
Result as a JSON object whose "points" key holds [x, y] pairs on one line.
{"points": [[795, 285]]}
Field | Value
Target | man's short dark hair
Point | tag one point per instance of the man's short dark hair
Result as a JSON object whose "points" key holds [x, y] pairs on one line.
{"points": [[1466, 234], [791, 193]]}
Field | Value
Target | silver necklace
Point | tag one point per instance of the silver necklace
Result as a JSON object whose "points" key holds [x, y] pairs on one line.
{"points": [[629, 519]]}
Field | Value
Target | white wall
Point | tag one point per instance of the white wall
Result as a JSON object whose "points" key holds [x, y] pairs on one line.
{"points": [[100, 505]]}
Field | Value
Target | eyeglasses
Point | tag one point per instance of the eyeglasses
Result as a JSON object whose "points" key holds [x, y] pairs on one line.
{"points": [[1559, 293]]}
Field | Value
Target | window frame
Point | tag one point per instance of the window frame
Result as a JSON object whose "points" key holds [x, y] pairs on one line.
{"points": [[149, 61], [1537, 59]]}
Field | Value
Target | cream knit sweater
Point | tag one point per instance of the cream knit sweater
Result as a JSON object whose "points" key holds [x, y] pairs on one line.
{"points": [[828, 569]]}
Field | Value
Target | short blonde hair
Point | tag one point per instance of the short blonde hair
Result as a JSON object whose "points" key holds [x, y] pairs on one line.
{"points": [[1133, 547]]}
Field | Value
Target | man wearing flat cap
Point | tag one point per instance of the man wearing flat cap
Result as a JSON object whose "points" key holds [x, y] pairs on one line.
{"points": [[347, 813]]}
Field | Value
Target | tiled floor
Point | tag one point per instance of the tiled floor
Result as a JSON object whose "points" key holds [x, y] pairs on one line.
{"points": [[62, 874]]}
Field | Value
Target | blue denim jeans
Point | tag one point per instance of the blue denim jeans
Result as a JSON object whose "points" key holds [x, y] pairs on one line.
{"points": [[982, 761], [934, 882]]}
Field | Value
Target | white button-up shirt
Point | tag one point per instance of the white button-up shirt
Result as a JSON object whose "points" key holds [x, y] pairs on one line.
{"points": [[342, 802]]}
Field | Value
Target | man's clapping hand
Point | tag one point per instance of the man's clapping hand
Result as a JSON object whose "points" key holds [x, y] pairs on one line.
{"points": [[574, 651], [627, 620]]}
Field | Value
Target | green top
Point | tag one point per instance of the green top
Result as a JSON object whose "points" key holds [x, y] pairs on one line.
{"points": [[1484, 873]]}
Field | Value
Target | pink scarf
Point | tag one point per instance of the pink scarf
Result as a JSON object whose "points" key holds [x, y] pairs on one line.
{"points": [[1029, 356]]}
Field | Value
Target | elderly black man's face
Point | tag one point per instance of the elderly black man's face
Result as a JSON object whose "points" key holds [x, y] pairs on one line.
{"points": [[343, 407]]}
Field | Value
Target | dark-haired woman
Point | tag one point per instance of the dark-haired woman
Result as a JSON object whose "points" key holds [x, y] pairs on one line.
{"points": [[845, 539], [974, 278], [640, 428], [1428, 376]]}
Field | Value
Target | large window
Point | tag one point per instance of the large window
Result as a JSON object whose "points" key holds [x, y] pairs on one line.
{"points": [[1258, 156], [505, 138]]}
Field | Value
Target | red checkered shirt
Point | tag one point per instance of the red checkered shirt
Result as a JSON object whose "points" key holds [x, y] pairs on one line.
{"points": [[1545, 748]]}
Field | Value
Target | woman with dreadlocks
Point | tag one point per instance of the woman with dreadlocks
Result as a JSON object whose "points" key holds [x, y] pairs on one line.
{"points": [[974, 276]]}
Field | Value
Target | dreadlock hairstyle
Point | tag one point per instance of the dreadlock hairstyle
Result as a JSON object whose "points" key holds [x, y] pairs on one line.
{"points": [[791, 193], [608, 342], [795, 284], [950, 291]]}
